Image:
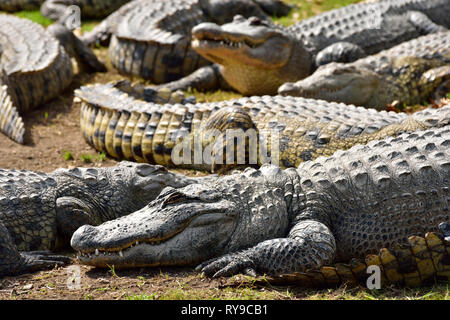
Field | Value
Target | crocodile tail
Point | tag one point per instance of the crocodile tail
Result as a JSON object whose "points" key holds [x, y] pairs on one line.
{"points": [[421, 261], [11, 122], [431, 117], [233, 134]]}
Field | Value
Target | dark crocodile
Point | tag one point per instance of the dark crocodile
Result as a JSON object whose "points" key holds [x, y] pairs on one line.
{"points": [[40, 211], [35, 68], [128, 128], [409, 73], [19, 5], [274, 221], [151, 38], [255, 57], [89, 9]]}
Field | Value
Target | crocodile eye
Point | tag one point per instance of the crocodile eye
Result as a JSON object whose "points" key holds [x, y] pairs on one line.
{"points": [[145, 170], [254, 21], [238, 18], [176, 196]]}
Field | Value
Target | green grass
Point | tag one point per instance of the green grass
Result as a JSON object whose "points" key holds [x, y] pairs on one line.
{"points": [[309, 8], [35, 16]]}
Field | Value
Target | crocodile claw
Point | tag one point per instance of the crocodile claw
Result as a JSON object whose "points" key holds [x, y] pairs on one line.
{"points": [[227, 265], [40, 260]]}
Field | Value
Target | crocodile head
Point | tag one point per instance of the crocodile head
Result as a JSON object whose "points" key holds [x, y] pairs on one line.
{"points": [[142, 183], [187, 226], [124, 188], [255, 55], [337, 82]]}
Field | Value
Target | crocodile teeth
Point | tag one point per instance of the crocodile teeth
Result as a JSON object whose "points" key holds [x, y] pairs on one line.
{"points": [[121, 254], [96, 252]]}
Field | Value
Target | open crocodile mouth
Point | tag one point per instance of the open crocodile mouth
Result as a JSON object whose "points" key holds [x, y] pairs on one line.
{"points": [[205, 42], [222, 43]]}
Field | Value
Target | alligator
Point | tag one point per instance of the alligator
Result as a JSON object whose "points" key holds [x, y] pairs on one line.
{"points": [[35, 68], [151, 38], [273, 221], [40, 211], [56, 9], [409, 73], [255, 57], [126, 127], [19, 5]]}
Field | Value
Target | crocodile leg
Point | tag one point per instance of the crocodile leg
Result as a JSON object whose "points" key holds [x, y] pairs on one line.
{"points": [[204, 79], [310, 244], [14, 262], [86, 59], [423, 23], [417, 262], [339, 52], [72, 213]]}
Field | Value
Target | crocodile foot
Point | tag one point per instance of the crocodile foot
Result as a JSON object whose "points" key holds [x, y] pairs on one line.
{"points": [[40, 260]]}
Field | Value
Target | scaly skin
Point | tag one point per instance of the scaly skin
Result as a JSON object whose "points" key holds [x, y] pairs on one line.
{"points": [[275, 221], [35, 68], [151, 38], [40, 211], [256, 57], [408, 73], [127, 128], [419, 261]]}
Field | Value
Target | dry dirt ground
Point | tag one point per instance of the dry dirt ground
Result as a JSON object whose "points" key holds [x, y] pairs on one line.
{"points": [[52, 133]]}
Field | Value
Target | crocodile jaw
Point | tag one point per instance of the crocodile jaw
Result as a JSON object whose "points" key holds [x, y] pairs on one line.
{"points": [[167, 232]]}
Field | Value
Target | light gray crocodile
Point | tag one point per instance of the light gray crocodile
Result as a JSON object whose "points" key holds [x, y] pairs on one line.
{"points": [[409, 73], [125, 127], [276, 221], [255, 57], [35, 68], [151, 38], [40, 211]]}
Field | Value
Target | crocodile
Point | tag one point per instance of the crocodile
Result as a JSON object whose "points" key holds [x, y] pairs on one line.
{"points": [[273, 221], [255, 57], [19, 5], [57, 9], [35, 68], [409, 73], [126, 127], [40, 211], [151, 38]]}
